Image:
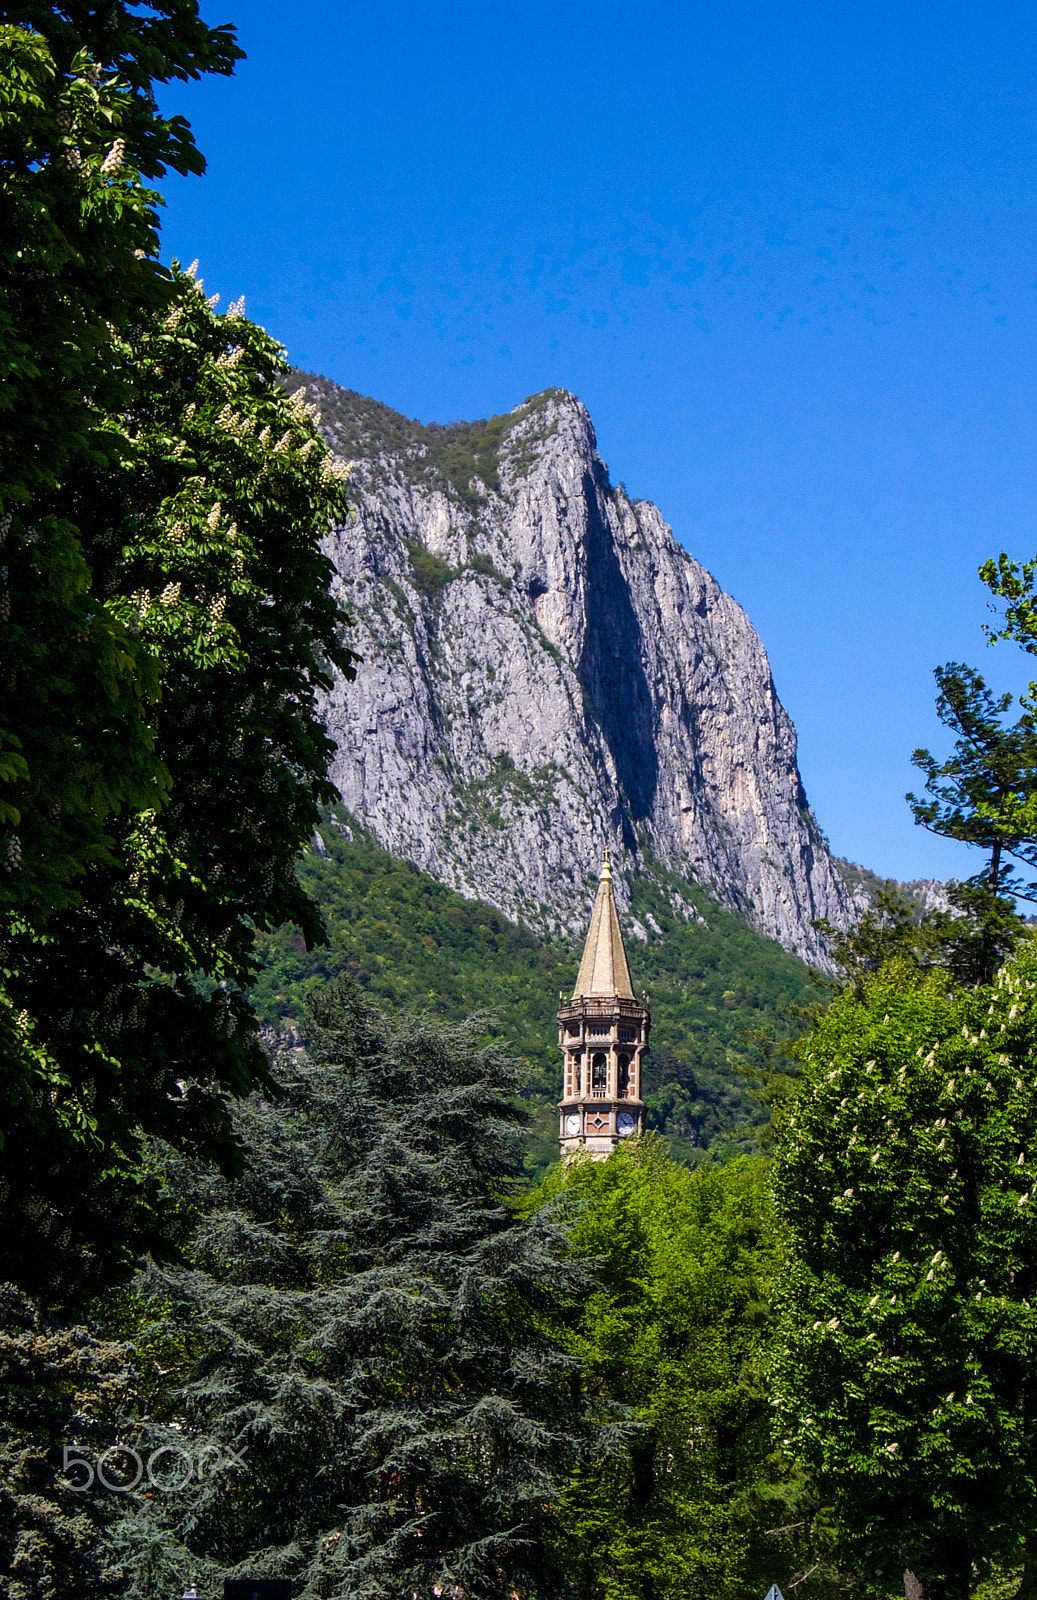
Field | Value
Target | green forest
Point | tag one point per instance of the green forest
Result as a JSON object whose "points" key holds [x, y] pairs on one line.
{"points": [[292, 1284], [722, 997]]}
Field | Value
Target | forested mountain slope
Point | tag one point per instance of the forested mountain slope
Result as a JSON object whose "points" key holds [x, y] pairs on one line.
{"points": [[419, 946]]}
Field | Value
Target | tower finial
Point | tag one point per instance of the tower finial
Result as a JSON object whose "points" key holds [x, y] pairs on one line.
{"points": [[604, 971]]}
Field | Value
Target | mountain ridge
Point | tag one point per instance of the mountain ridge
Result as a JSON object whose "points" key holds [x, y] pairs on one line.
{"points": [[546, 671]]}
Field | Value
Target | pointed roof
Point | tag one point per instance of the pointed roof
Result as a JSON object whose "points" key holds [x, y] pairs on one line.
{"points": [[604, 970]]}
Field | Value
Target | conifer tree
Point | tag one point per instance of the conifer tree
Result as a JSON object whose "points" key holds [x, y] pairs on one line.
{"points": [[371, 1327], [982, 796], [61, 1386], [892, 928]]}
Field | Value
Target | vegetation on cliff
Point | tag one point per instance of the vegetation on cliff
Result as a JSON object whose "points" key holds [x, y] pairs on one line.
{"points": [[461, 459]]}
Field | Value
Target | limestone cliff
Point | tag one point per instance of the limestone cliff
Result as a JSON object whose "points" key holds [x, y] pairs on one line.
{"points": [[546, 671]]}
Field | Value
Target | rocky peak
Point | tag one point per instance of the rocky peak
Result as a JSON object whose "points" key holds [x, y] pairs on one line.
{"points": [[546, 672]]}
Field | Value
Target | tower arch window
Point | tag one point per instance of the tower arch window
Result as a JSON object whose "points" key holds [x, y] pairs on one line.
{"points": [[599, 1071], [623, 1080]]}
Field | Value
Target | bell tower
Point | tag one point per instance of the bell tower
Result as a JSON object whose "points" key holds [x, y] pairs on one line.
{"points": [[603, 1034]]}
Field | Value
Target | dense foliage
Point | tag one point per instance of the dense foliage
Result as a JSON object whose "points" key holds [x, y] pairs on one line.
{"points": [[60, 1385], [80, 135], [714, 984], [165, 626], [390, 1378], [365, 1321], [677, 1330], [113, 1022], [905, 1182]]}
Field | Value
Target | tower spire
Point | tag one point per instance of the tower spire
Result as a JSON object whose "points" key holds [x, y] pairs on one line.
{"points": [[604, 971], [603, 1032]]}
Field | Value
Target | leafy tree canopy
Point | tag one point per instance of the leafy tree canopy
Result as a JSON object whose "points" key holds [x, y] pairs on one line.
{"points": [[124, 1010], [677, 1330], [905, 1182], [80, 135], [164, 628]]}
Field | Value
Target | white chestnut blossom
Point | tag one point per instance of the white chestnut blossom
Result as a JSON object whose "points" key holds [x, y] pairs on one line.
{"points": [[114, 159]]}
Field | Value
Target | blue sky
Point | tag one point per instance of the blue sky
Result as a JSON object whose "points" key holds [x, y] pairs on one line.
{"points": [[785, 253]]}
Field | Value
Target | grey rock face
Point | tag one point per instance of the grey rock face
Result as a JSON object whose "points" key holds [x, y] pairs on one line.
{"points": [[547, 671]]}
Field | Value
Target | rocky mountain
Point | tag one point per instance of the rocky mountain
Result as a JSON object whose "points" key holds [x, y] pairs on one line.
{"points": [[547, 671], [924, 894]]}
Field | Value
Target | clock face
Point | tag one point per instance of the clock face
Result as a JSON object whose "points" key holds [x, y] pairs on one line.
{"points": [[572, 1122], [625, 1124]]}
